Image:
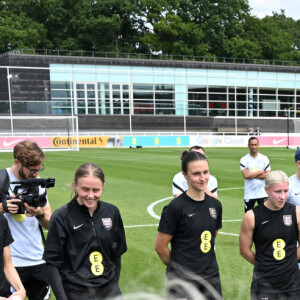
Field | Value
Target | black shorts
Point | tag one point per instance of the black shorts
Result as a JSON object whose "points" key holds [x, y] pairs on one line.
{"points": [[76, 292], [259, 295], [249, 203], [35, 281]]}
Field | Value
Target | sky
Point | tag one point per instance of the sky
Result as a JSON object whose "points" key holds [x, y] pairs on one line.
{"points": [[261, 8]]}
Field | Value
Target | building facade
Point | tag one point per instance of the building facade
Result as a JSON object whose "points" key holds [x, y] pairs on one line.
{"points": [[156, 89]]}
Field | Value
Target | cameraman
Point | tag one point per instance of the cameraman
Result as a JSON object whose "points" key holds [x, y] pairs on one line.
{"points": [[27, 248]]}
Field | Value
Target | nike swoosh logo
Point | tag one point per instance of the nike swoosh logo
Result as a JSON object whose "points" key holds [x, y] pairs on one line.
{"points": [[277, 142], [8, 144], [76, 227], [190, 215], [297, 194], [264, 222]]}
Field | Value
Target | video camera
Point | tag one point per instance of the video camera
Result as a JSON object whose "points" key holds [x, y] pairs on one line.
{"points": [[28, 192]]}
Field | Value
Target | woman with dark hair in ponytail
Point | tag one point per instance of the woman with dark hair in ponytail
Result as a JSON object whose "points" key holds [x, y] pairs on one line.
{"points": [[85, 242], [180, 184], [190, 224]]}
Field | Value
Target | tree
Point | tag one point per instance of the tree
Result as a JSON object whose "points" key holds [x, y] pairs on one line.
{"points": [[272, 43], [220, 21], [170, 27], [208, 23], [19, 31]]}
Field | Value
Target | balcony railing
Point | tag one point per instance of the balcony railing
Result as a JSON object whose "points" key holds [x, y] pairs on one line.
{"points": [[211, 59]]}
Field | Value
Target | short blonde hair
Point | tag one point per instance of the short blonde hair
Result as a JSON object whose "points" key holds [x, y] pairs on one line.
{"points": [[275, 177]]}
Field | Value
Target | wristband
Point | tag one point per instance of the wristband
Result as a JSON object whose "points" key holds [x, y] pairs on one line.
{"points": [[40, 217]]}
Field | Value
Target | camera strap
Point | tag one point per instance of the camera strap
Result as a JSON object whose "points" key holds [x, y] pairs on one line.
{"points": [[42, 234]]}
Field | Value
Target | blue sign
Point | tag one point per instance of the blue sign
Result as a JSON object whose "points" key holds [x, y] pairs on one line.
{"points": [[156, 141]]}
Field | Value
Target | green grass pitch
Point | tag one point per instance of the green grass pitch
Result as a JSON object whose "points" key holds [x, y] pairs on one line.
{"points": [[136, 178]]}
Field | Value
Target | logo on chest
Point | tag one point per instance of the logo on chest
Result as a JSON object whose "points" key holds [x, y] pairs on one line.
{"points": [[213, 213], [107, 223], [287, 220]]}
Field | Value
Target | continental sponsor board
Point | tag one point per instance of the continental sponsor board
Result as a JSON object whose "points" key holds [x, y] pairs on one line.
{"points": [[87, 141]]}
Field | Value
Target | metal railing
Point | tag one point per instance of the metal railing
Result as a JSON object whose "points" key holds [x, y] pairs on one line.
{"points": [[102, 54]]}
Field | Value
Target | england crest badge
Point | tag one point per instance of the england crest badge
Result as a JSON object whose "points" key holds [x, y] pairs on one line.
{"points": [[107, 223], [287, 220], [213, 213]]}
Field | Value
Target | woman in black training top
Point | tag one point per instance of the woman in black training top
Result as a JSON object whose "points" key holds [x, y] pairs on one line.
{"points": [[85, 242]]}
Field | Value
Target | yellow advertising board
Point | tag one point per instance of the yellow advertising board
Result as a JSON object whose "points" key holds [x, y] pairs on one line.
{"points": [[87, 141]]}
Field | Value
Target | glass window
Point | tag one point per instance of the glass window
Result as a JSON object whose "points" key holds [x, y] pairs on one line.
{"points": [[142, 95], [267, 106], [60, 94], [197, 89], [164, 103], [145, 87], [60, 85], [143, 107], [197, 100], [103, 85], [91, 94], [222, 90], [285, 92], [164, 87], [90, 87], [80, 94], [194, 96], [164, 95], [80, 86], [267, 91]]}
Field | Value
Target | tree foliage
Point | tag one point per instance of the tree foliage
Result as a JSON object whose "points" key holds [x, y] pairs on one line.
{"points": [[170, 27]]}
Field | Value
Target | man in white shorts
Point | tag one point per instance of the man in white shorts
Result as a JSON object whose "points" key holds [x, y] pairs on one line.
{"points": [[254, 166], [180, 184]]}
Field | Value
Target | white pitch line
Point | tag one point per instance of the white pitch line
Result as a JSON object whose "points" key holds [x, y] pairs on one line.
{"points": [[227, 233], [147, 225], [150, 207], [238, 188], [155, 216]]}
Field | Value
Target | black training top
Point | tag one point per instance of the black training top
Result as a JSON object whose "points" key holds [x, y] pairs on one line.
{"points": [[193, 225], [5, 240], [275, 237], [86, 249]]}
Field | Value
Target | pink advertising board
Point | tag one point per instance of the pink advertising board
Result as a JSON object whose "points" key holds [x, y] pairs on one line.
{"points": [[278, 141], [274, 140], [10, 142]]}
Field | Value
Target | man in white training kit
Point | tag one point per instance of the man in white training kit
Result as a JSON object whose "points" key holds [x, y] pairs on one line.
{"points": [[254, 166], [180, 184]]}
